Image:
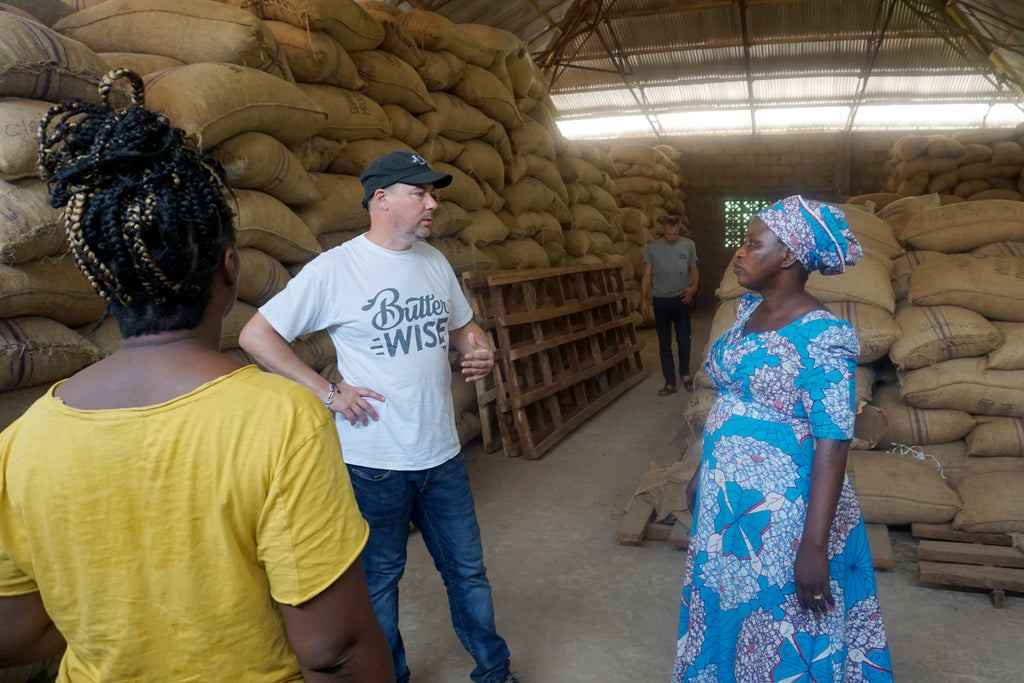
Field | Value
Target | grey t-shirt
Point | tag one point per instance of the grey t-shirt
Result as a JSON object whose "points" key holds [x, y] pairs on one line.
{"points": [[670, 265]]}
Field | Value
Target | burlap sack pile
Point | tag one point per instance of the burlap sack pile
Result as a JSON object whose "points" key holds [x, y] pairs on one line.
{"points": [[957, 395], [294, 99], [971, 164]]}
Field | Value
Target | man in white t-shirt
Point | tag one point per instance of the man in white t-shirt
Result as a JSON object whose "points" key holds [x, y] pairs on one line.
{"points": [[392, 305]]}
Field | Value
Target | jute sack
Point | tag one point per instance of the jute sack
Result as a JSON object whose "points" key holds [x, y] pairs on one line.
{"points": [[585, 260], [51, 288], [985, 465], [315, 57], [910, 426], [38, 63], [528, 194], [405, 126], [449, 220], [603, 202], [432, 31], [190, 31], [640, 185], [534, 138], [389, 80], [997, 436], [16, 402], [961, 227], [439, 149], [140, 63], [463, 190], [545, 171], [900, 489], [697, 408], [316, 153], [265, 223], [973, 153], [986, 169], [1010, 354], [482, 162], [965, 384], [461, 256], [350, 115], [1006, 152], [359, 154], [879, 199], [875, 327], [1005, 195], [910, 147], [951, 458], [343, 20], [46, 12], [864, 387], [526, 254], [527, 79], [915, 184], [261, 276], [966, 188], [869, 427], [214, 102], [485, 228], [35, 350], [234, 321], [577, 242], [992, 286], [867, 282], [482, 89], [944, 182], [19, 128], [29, 227], [941, 146], [106, 335], [492, 200], [931, 334], [587, 217], [453, 118], [991, 503], [316, 350], [905, 265], [257, 161], [397, 40], [523, 224], [556, 254], [339, 207], [872, 232], [441, 70], [637, 154]]}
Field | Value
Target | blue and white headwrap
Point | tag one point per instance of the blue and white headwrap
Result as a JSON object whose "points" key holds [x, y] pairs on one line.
{"points": [[816, 233]]}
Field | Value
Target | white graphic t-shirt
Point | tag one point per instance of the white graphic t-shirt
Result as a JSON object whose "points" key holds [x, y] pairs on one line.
{"points": [[388, 314]]}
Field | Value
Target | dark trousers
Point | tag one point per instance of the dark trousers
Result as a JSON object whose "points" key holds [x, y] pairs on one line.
{"points": [[671, 312]]}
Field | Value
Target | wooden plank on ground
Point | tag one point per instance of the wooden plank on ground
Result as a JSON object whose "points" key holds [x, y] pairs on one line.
{"points": [[970, 576], [946, 532], [881, 547], [680, 537], [970, 553], [633, 526]]}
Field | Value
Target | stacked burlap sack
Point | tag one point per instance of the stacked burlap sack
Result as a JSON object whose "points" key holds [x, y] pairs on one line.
{"points": [[294, 99], [972, 164], [957, 401]]}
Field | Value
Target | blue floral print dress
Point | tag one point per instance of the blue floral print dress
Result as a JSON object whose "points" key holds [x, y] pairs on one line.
{"points": [[740, 619]]}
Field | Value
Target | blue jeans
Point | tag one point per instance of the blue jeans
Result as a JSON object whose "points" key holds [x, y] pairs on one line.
{"points": [[440, 502], [670, 312]]}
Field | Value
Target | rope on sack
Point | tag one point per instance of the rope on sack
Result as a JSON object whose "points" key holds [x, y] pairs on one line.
{"points": [[916, 452]]}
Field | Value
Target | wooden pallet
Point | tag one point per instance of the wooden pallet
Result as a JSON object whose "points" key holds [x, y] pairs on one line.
{"points": [[950, 558], [565, 346], [638, 525]]}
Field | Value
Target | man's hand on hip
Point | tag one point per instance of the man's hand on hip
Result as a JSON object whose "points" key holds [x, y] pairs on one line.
{"points": [[351, 403]]}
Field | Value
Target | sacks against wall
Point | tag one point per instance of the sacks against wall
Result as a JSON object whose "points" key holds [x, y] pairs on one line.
{"points": [[965, 384], [190, 31], [36, 350], [343, 20], [965, 226], [931, 334], [992, 286], [213, 102]]}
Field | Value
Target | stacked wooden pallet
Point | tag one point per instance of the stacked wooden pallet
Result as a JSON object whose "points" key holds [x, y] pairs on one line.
{"points": [[565, 348], [977, 561]]}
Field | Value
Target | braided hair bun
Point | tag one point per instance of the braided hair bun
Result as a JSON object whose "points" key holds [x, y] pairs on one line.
{"points": [[145, 212]]}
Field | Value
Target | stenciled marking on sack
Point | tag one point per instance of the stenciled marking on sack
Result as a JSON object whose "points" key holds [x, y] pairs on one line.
{"points": [[415, 324]]}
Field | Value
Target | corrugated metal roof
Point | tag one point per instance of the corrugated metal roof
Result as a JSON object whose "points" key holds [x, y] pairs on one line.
{"points": [[772, 61]]}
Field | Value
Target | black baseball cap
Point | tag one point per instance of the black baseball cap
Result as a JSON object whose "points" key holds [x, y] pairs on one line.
{"points": [[399, 167]]}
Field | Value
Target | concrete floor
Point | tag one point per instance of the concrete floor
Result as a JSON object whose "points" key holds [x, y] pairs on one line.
{"points": [[576, 607]]}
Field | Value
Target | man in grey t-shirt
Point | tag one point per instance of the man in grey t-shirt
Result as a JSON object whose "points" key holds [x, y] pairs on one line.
{"points": [[672, 269]]}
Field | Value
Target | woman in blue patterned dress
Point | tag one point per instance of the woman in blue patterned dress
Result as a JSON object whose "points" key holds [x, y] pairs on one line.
{"points": [[779, 584]]}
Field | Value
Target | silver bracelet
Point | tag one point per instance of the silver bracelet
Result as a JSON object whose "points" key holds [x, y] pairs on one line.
{"points": [[330, 396]]}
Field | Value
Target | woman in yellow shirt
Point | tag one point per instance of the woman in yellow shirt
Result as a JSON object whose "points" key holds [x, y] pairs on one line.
{"points": [[167, 512]]}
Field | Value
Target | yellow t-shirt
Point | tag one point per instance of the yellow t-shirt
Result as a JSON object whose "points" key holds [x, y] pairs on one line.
{"points": [[160, 538]]}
